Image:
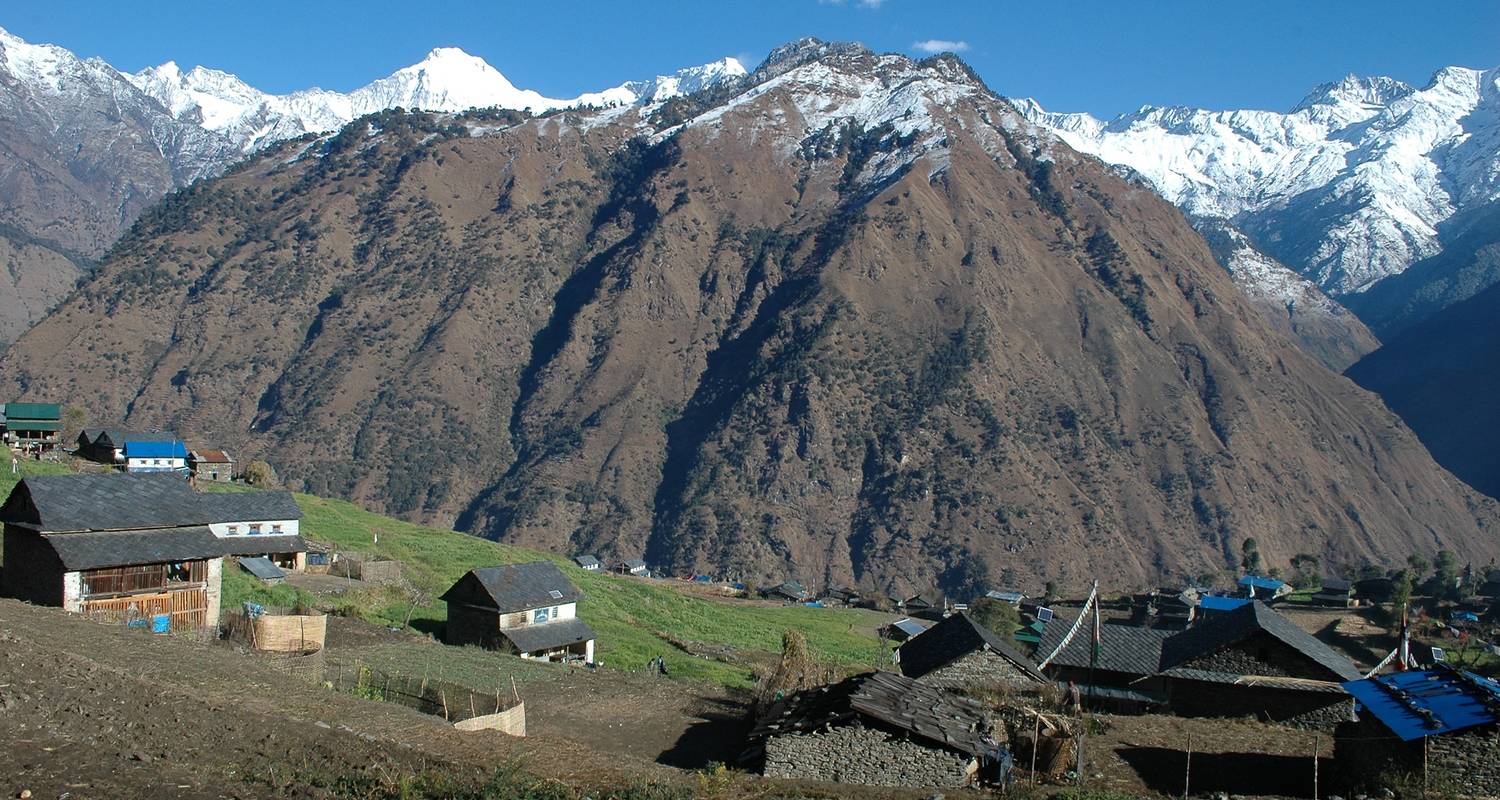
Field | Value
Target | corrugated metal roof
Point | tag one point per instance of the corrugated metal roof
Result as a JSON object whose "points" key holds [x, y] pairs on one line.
{"points": [[261, 567], [155, 449], [1414, 705], [909, 626], [1213, 602], [15, 412], [1261, 583]]}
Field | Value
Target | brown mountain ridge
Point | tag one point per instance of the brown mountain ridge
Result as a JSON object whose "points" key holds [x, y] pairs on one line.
{"points": [[853, 320]]}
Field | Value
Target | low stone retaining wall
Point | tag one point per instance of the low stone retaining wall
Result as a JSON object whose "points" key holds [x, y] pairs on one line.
{"points": [[866, 756]]}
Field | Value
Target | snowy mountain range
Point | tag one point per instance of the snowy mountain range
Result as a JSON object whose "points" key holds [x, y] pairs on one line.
{"points": [[1351, 186], [448, 79]]}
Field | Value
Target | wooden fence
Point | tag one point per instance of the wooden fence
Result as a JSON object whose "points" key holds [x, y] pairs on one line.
{"points": [[186, 609], [466, 708], [280, 632]]}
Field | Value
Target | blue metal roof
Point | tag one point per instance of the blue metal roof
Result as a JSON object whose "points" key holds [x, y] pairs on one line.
{"points": [[1213, 602], [1415, 705], [1261, 583], [155, 450]]}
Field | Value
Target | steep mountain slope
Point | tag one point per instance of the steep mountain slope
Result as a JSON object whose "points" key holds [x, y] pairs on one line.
{"points": [[1440, 375], [1348, 188], [1292, 304], [81, 153], [1468, 264], [852, 319]]}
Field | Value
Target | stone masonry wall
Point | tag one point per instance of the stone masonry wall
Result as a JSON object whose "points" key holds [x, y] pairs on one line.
{"points": [[980, 668], [1469, 763], [866, 756]]}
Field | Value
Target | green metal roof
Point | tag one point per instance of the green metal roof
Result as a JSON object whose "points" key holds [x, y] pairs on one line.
{"points": [[32, 411], [32, 425]]}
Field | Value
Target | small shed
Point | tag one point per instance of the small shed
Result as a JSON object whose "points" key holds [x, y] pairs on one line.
{"points": [[1438, 723], [633, 566], [1261, 588], [1012, 596], [877, 729], [788, 591], [216, 466], [841, 595], [903, 629], [588, 562]]}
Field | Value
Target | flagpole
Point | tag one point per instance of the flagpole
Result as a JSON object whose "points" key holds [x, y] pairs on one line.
{"points": [[1094, 653]]}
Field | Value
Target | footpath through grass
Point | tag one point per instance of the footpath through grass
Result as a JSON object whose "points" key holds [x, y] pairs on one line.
{"points": [[627, 613]]}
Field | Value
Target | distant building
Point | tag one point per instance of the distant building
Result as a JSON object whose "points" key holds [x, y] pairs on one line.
{"points": [[841, 595], [155, 456], [789, 591], [1166, 607], [959, 653], [1334, 592], [590, 563], [1012, 596], [1442, 725], [1259, 588], [530, 610], [633, 566], [133, 548], [211, 465], [904, 628], [33, 427], [878, 729]]}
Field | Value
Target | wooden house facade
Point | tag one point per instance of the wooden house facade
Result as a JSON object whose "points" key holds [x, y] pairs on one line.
{"points": [[33, 427]]}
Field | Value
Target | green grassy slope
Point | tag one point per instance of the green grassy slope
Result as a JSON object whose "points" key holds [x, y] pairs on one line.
{"points": [[627, 613]]}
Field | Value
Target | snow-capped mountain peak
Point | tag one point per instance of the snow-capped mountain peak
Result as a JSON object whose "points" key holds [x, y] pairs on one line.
{"points": [[1348, 187]]}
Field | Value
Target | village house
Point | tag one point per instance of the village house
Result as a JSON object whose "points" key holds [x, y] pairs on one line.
{"points": [[155, 456], [1166, 607], [1249, 661], [1256, 587], [877, 729], [959, 653], [211, 465], [33, 427], [633, 566], [589, 563], [841, 595], [1440, 725], [125, 547], [903, 629], [1335, 592], [107, 445], [530, 610], [258, 524], [786, 591]]}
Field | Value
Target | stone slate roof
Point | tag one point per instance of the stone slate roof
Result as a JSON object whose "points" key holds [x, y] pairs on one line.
{"points": [[550, 636], [211, 457], [1235, 626], [1335, 585], [933, 715], [105, 501], [250, 506], [952, 639], [586, 561], [1122, 648], [256, 545], [96, 550], [517, 587]]}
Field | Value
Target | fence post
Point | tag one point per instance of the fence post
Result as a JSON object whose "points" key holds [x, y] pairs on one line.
{"points": [[1036, 744], [1187, 772], [1315, 766]]}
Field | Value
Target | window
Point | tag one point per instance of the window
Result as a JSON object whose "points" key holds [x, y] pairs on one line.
{"points": [[555, 594], [275, 527], [541, 615], [234, 530], [255, 529]]}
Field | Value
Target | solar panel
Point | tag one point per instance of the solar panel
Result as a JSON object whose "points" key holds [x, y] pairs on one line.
{"points": [[1044, 614]]}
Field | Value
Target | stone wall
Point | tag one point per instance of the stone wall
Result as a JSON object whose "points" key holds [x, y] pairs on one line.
{"points": [[979, 668], [1262, 654], [1469, 763], [1312, 710], [867, 756]]}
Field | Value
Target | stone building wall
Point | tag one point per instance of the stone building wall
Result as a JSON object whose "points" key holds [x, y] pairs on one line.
{"points": [[1469, 763], [1261, 654], [980, 668], [866, 756], [1311, 710]]}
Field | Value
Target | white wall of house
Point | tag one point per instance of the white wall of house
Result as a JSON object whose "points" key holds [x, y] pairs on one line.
{"points": [[257, 527], [155, 464], [73, 592]]}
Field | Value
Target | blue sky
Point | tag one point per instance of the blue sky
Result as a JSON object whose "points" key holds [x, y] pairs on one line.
{"points": [[1103, 56]]}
